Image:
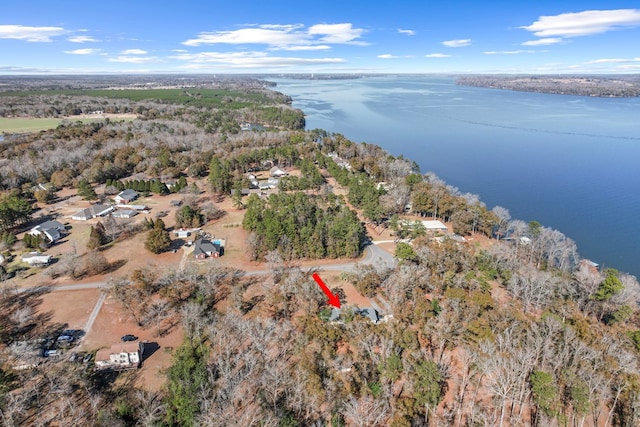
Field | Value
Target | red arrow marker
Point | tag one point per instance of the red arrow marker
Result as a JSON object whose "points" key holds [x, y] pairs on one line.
{"points": [[333, 299]]}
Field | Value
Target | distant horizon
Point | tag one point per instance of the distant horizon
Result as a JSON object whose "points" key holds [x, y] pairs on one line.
{"points": [[202, 74], [408, 37]]}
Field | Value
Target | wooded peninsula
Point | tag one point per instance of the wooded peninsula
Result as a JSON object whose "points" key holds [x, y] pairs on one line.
{"points": [[160, 248], [614, 86]]}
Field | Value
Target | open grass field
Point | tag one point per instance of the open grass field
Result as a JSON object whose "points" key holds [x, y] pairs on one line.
{"points": [[18, 125], [25, 124]]}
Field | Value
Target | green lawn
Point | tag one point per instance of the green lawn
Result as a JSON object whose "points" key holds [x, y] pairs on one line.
{"points": [[19, 125]]}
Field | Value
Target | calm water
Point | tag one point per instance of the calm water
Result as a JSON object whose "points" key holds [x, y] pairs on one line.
{"points": [[569, 162]]}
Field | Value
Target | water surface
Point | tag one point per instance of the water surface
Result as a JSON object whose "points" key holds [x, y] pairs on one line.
{"points": [[569, 162]]}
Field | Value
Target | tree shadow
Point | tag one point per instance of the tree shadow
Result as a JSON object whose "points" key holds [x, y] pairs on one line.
{"points": [[247, 306], [115, 265]]}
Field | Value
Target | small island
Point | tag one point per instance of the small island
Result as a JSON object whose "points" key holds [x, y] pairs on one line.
{"points": [[614, 86]]}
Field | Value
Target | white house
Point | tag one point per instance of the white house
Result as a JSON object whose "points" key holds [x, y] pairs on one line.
{"points": [[125, 213], [277, 172], [36, 258], [51, 230], [434, 225]]}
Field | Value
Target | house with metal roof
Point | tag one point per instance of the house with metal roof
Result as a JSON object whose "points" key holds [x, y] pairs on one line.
{"points": [[50, 230], [92, 211], [36, 258], [126, 196]]}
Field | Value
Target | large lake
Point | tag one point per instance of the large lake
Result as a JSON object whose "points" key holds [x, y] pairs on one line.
{"points": [[571, 163]]}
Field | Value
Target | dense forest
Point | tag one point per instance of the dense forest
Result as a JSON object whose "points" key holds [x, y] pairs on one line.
{"points": [[514, 332]]}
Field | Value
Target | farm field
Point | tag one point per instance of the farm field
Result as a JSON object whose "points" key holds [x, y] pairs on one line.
{"points": [[28, 124]]}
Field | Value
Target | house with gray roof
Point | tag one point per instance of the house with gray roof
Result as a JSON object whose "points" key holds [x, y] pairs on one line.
{"points": [[125, 213], [367, 312], [126, 196], [50, 230], [92, 211], [206, 249]]}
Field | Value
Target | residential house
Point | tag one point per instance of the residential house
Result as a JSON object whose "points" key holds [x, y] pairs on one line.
{"points": [[434, 225], [125, 213], [590, 265], [276, 172], [119, 356], [36, 258], [206, 248], [126, 196], [92, 211], [367, 312], [50, 230], [273, 182]]}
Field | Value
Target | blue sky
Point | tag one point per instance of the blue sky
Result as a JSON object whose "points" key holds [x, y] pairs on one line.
{"points": [[348, 36]]}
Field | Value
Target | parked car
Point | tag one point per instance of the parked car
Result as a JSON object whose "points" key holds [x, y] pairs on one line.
{"points": [[87, 358], [129, 337], [65, 339]]}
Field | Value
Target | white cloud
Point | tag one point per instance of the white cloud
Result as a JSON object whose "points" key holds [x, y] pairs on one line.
{"points": [[613, 60], [337, 33], [407, 32], [511, 52], [437, 55], [285, 37], [83, 51], [30, 34], [133, 52], [135, 59], [263, 35], [584, 23], [457, 43], [390, 56], [299, 48], [248, 60], [543, 42], [82, 39]]}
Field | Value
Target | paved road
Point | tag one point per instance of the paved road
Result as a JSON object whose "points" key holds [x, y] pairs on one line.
{"points": [[94, 313]]}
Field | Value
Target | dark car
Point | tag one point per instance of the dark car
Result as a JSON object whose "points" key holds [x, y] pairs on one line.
{"points": [[129, 337]]}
